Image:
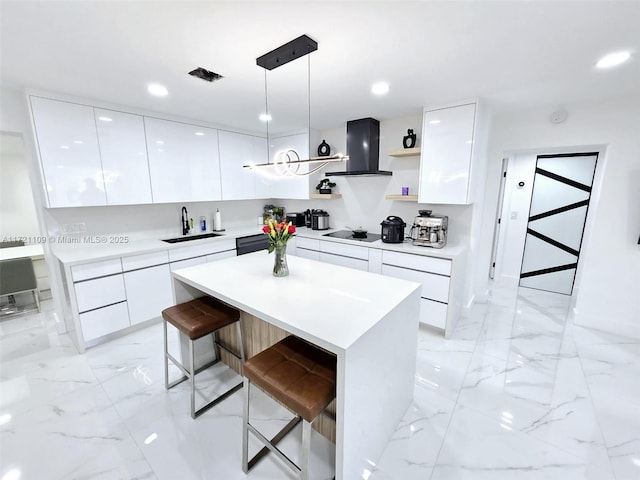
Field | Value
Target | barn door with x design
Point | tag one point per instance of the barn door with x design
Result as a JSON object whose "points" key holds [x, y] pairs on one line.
{"points": [[559, 203]]}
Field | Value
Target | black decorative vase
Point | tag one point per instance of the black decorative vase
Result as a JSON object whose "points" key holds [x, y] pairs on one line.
{"points": [[409, 140], [324, 150]]}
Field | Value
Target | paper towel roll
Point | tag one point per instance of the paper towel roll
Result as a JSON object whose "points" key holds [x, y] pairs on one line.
{"points": [[217, 221]]}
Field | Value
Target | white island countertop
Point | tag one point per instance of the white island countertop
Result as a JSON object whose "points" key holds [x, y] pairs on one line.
{"points": [[369, 321], [328, 305]]}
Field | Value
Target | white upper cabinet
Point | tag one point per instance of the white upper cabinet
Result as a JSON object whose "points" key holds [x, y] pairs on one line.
{"points": [[271, 183], [236, 150], [124, 157], [446, 158], [184, 164], [69, 153]]}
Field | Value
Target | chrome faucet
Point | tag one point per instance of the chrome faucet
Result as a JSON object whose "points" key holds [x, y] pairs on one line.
{"points": [[185, 221]]}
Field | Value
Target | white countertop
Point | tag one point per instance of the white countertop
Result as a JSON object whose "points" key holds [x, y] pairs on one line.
{"points": [[105, 247], [340, 304]]}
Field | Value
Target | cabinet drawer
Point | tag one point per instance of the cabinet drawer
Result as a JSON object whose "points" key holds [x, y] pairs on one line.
{"points": [[104, 321], [189, 262], [219, 256], [308, 243], [310, 254], [417, 262], [96, 269], [435, 287], [433, 313], [99, 292], [353, 251], [201, 250], [148, 292], [355, 263], [135, 262]]}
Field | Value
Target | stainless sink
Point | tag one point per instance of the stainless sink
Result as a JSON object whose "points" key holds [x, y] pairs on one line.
{"points": [[187, 238]]}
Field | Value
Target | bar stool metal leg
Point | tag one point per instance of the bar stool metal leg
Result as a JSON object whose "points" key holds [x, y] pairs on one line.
{"points": [[245, 428], [306, 450]]}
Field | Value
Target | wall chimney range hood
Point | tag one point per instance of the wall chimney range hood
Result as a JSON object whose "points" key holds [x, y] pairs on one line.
{"points": [[363, 149]]}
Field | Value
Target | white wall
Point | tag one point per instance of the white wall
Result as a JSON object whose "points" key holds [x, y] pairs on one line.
{"points": [[363, 203], [17, 209], [608, 279]]}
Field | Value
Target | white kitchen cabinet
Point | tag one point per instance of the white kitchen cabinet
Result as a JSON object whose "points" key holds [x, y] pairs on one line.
{"points": [[148, 292], [104, 321], [310, 254], [447, 154], [99, 292], [271, 184], [355, 263], [439, 305], [69, 154], [221, 255], [184, 164], [123, 151], [237, 150]]}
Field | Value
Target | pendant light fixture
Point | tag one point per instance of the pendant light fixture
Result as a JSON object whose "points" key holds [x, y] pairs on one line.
{"points": [[287, 162]]}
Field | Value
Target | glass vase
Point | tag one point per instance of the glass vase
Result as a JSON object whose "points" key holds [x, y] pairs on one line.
{"points": [[280, 267]]}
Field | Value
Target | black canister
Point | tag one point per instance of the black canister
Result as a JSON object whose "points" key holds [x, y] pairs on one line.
{"points": [[393, 230]]}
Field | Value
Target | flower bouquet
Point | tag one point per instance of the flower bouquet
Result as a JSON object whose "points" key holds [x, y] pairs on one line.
{"points": [[278, 235]]}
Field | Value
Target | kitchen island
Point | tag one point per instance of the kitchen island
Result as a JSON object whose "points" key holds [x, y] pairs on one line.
{"points": [[369, 321]]}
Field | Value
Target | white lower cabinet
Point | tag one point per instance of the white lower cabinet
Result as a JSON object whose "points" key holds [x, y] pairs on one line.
{"points": [[355, 263], [219, 256], [436, 285], [306, 253], [103, 321], [433, 313], [148, 292], [99, 292]]}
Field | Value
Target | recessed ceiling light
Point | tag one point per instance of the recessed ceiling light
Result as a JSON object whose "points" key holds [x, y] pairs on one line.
{"points": [[105, 119], [199, 134], [64, 147], [79, 142], [265, 117], [613, 59], [380, 88], [157, 90], [160, 142]]}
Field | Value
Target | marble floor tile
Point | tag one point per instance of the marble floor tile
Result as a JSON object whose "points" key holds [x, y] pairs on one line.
{"points": [[519, 391]]}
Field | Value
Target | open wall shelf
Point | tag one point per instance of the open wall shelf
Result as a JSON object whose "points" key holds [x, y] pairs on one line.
{"points": [[405, 152], [325, 195], [402, 198]]}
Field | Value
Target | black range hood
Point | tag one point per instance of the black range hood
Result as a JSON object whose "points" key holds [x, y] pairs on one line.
{"points": [[363, 148]]}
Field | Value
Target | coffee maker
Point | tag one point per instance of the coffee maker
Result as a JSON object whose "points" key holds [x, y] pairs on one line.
{"points": [[429, 230]]}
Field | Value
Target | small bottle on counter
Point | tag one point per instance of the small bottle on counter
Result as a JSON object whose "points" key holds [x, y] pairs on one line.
{"points": [[203, 224]]}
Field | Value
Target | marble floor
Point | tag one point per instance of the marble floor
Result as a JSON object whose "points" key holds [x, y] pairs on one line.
{"points": [[519, 392]]}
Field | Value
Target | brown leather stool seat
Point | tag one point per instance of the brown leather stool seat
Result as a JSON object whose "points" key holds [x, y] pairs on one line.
{"points": [[196, 319], [303, 378]]}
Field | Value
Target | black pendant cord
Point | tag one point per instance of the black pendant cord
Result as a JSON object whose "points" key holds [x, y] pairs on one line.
{"points": [[266, 112], [309, 102]]}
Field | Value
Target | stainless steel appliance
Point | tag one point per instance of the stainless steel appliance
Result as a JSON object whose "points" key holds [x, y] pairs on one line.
{"points": [[296, 219], [319, 220], [393, 229], [429, 230], [348, 235], [251, 243]]}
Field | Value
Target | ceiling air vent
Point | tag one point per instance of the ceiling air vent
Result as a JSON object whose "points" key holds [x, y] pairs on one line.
{"points": [[205, 74]]}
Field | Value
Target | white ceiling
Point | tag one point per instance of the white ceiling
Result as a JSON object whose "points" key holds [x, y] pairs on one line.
{"points": [[514, 54]]}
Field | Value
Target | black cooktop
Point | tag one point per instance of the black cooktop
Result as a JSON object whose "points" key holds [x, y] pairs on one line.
{"points": [[348, 235]]}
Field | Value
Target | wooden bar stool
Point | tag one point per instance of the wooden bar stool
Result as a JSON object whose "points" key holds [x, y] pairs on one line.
{"points": [[195, 319], [303, 378]]}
